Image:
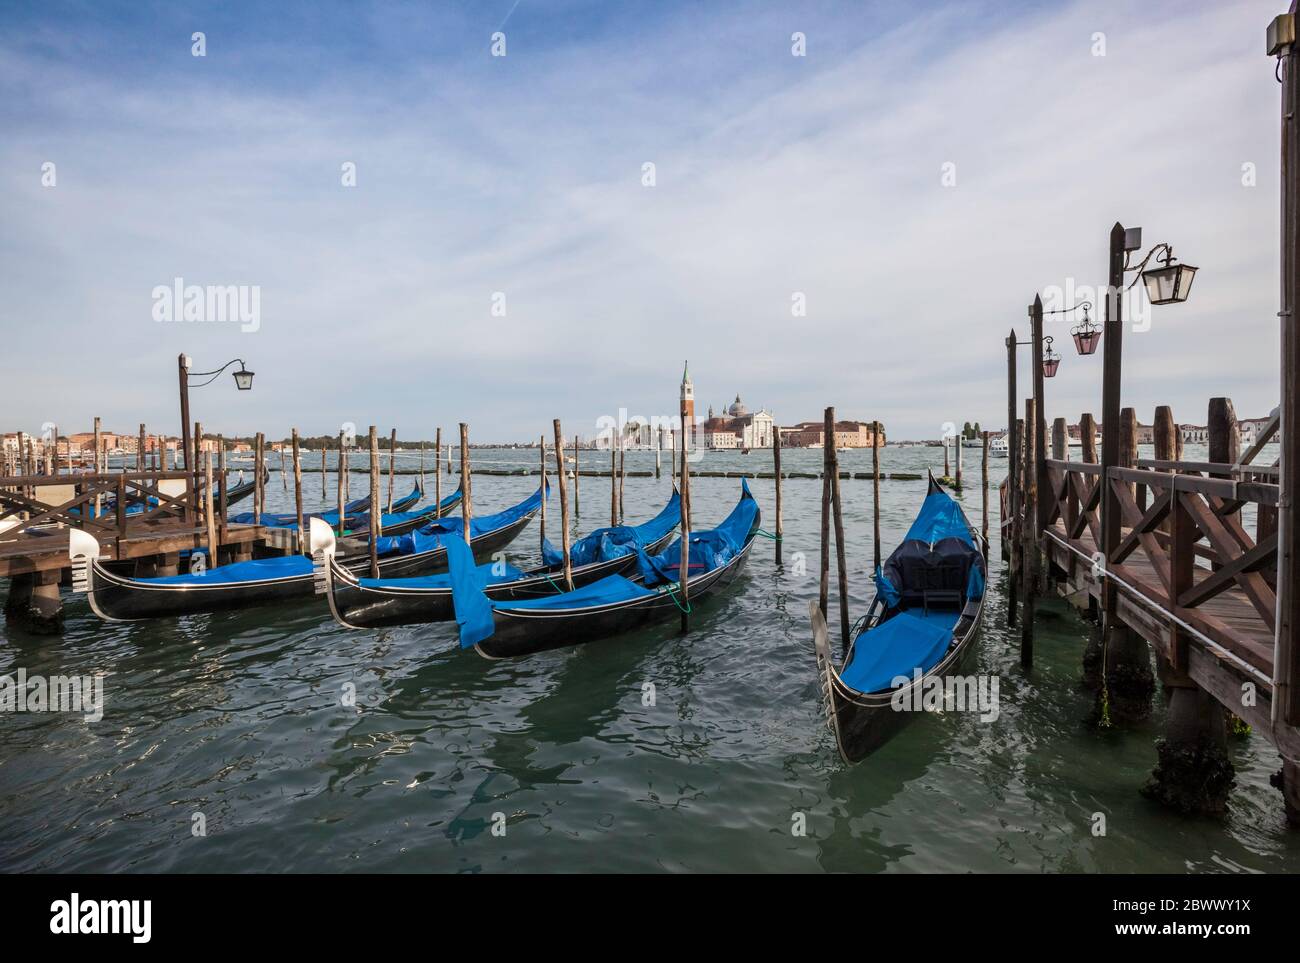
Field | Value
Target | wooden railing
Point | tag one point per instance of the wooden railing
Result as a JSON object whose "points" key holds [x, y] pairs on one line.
{"points": [[100, 503], [1193, 538]]}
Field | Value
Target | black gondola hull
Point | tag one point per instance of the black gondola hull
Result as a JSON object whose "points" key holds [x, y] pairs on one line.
{"points": [[522, 632], [118, 598], [863, 722]]}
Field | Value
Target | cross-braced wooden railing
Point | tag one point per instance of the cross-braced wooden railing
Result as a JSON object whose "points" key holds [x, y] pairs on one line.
{"points": [[1183, 541], [101, 503]]}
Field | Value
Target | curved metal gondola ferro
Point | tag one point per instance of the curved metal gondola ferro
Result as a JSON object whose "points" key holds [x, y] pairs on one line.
{"points": [[936, 612], [357, 602], [118, 597], [610, 606]]}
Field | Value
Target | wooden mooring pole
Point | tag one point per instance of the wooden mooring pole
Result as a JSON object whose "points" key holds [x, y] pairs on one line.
{"points": [[392, 466], [297, 493], [437, 475], [833, 490], [339, 482], [562, 481], [541, 512], [575, 477], [374, 503], [259, 476], [984, 492], [466, 503], [875, 497], [613, 482], [776, 473], [225, 484], [208, 513], [1029, 539]]}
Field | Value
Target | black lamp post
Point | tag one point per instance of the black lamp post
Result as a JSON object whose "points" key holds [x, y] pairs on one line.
{"points": [[243, 381], [1168, 284]]}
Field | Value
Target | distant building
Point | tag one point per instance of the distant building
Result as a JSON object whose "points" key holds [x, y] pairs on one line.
{"points": [[848, 434], [1249, 429], [738, 427], [85, 440]]}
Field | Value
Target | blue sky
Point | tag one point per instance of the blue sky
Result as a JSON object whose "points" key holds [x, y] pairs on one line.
{"points": [[522, 175]]}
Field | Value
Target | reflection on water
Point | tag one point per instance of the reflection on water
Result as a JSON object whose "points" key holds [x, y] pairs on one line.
{"points": [[248, 719]]}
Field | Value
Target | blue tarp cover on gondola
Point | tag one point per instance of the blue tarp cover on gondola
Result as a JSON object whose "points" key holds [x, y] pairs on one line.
{"points": [[474, 609], [430, 537], [605, 544], [940, 517], [710, 549], [910, 640], [492, 573], [288, 566]]}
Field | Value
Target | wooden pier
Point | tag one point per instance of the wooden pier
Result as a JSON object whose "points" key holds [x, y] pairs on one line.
{"points": [[151, 517], [1191, 571]]}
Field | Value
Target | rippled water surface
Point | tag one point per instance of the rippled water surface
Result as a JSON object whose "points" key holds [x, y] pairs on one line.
{"points": [[240, 717]]}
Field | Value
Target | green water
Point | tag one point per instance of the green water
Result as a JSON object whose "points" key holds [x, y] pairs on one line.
{"points": [[239, 717]]}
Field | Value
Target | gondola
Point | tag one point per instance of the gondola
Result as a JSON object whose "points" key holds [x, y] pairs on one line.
{"points": [[117, 596], [396, 522], [920, 629], [610, 606], [237, 492], [358, 602], [351, 511]]}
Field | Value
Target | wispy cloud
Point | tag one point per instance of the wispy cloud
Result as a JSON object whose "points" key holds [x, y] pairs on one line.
{"points": [[523, 175]]}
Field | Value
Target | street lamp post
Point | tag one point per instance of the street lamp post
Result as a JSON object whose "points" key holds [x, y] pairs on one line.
{"points": [[243, 381]]}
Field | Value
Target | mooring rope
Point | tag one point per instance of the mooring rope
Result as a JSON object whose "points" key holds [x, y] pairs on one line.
{"points": [[673, 595]]}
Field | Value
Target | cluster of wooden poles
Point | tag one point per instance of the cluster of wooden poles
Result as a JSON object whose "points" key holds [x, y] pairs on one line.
{"points": [[832, 513], [216, 515]]}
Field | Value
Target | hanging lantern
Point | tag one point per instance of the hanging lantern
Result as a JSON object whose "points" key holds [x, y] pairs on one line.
{"points": [[1051, 360], [1170, 283], [243, 378], [1086, 335]]}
